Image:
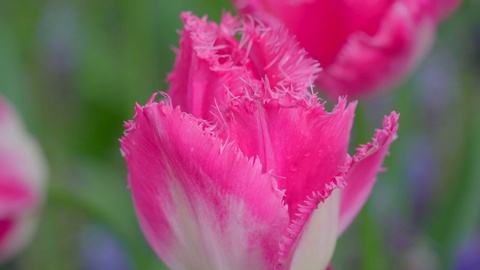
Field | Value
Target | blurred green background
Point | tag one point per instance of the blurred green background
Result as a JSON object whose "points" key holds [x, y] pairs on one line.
{"points": [[74, 70]]}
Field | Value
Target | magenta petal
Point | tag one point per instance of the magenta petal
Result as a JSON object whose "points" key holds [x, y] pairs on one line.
{"points": [[22, 181], [209, 62], [372, 63], [201, 203], [321, 26], [213, 66], [277, 56], [306, 160], [15, 197], [365, 165], [242, 174], [363, 46], [6, 226]]}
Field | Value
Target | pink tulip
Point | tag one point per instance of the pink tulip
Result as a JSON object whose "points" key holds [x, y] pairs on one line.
{"points": [[22, 180], [242, 167], [363, 46]]}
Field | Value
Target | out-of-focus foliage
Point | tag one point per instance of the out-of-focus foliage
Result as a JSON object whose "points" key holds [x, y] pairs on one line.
{"points": [[74, 70]]}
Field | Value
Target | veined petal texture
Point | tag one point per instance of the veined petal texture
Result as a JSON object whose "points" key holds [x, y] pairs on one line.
{"points": [[364, 46], [241, 166], [22, 179], [202, 204]]}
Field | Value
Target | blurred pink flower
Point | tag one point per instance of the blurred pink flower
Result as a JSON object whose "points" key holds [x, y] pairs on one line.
{"points": [[363, 46], [22, 180], [242, 167]]}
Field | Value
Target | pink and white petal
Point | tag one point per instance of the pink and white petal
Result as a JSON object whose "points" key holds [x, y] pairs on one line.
{"points": [[314, 247], [327, 200], [17, 235], [307, 160], [208, 64], [20, 155], [201, 203], [15, 197], [23, 174], [365, 166], [367, 64], [304, 158]]}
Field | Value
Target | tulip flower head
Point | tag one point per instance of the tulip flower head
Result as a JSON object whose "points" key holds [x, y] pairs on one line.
{"points": [[22, 180], [241, 166], [363, 46]]}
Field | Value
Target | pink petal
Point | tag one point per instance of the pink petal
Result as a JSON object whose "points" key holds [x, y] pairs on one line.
{"points": [[6, 226], [20, 156], [365, 165], [22, 181], [277, 57], [368, 64], [322, 27], [233, 184], [19, 232], [306, 159], [15, 196], [213, 66], [207, 62], [363, 46], [201, 203]]}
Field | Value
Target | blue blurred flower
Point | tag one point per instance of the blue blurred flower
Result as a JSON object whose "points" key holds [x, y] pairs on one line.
{"points": [[468, 255], [101, 250]]}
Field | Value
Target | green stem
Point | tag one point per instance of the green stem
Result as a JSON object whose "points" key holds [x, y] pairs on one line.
{"points": [[61, 197], [374, 255], [457, 216], [372, 246]]}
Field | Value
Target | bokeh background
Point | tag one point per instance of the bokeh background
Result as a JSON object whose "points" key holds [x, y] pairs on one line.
{"points": [[75, 68]]}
